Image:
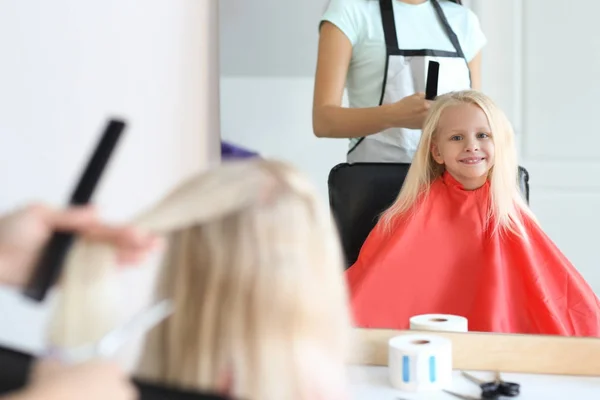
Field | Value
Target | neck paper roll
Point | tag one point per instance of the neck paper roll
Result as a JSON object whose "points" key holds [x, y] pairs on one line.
{"points": [[420, 363], [439, 322]]}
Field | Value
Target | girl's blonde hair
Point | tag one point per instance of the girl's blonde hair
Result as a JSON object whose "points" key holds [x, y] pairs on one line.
{"points": [[506, 200], [255, 270]]}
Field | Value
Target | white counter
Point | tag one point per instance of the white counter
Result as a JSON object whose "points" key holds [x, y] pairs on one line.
{"points": [[371, 383]]}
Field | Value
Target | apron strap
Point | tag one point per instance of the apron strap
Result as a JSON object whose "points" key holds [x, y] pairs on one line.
{"points": [[451, 35], [389, 24]]}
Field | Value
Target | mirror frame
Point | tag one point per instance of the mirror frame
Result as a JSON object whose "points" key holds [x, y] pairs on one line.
{"points": [[479, 351]]}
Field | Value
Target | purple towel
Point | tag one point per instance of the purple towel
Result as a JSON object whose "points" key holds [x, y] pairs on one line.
{"points": [[230, 151]]}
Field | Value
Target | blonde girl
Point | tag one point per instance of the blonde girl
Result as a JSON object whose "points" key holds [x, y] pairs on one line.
{"points": [[461, 240]]}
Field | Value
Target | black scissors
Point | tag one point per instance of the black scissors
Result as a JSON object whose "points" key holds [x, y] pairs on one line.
{"points": [[496, 388]]}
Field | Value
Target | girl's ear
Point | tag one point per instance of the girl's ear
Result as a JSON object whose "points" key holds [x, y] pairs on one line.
{"points": [[435, 153]]}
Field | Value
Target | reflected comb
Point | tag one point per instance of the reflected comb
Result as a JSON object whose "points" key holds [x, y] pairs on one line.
{"points": [[433, 72]]}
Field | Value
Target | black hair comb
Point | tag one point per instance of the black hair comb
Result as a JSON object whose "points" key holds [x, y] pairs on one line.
{"points": [[433, 72], [50, 262]]}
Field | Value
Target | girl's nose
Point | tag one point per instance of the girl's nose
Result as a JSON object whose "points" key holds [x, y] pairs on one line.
{"points": [[471, 145]]}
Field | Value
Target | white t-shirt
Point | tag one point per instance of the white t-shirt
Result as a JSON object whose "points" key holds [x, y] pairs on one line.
{"points": [[417, 27]]}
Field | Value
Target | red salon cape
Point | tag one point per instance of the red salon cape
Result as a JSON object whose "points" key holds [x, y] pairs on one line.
{"points": [[443, 260]]}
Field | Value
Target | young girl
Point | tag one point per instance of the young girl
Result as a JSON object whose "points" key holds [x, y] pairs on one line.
{"points": [[461, 240], [255, 271]]}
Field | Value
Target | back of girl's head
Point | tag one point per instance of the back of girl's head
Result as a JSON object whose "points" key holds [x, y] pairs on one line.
{"points": [[255, 271], [503, 176]]}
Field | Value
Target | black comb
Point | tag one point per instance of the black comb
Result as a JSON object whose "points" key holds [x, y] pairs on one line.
{"points": [[433, 73], [50, 263]]}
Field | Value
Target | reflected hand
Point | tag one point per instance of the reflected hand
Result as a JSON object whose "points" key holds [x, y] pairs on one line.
{"points": [[411, 111]]}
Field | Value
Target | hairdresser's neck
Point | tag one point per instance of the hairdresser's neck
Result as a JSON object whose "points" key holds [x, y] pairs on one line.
{"points": [[413, 1]]}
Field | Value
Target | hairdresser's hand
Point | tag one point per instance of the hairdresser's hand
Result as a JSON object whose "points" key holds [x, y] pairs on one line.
{"points": [[411, 111], [24, 232], [95, 380]]}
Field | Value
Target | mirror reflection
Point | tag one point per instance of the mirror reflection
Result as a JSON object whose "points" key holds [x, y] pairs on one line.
{"points": [[466, 211]]}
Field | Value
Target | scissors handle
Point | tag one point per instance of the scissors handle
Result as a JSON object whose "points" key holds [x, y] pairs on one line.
{"points": [[509, 389], [489, 391]]}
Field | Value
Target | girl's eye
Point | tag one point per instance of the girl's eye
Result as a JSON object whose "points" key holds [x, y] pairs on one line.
{"points": [[456, 137], [482, 135]]}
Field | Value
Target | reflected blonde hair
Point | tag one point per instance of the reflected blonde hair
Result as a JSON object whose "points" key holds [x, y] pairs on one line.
{"points": [[506, 200], [255, 270]]}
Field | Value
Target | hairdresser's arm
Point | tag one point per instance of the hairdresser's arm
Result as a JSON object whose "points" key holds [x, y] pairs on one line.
{"points": [[332, 120], [475, 68], [24, 232], [90, 381]]}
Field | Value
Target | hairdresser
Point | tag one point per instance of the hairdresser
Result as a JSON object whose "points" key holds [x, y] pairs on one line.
{"points": [[22, 235], [379, 50]]}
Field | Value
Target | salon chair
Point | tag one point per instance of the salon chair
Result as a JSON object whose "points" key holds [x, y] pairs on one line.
{"points": [[360, 192], [15, 368]]}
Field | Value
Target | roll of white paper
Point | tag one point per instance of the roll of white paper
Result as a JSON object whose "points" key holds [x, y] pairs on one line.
{"points": [[439, 322], [420, 363]]}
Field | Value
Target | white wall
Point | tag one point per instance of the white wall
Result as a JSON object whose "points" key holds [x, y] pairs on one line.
{"points": [[67, 65], [552, 102], [273, 116], [268, 60]]}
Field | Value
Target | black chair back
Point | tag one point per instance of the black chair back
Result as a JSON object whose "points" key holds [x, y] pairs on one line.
{"points": [[360, 192]]}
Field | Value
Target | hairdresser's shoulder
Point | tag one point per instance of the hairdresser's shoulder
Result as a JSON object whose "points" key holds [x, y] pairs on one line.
{"points": [[352, 17], [459, 14]]}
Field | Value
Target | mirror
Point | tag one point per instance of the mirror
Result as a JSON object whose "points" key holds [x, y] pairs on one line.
{"points": [[268, 61]]}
